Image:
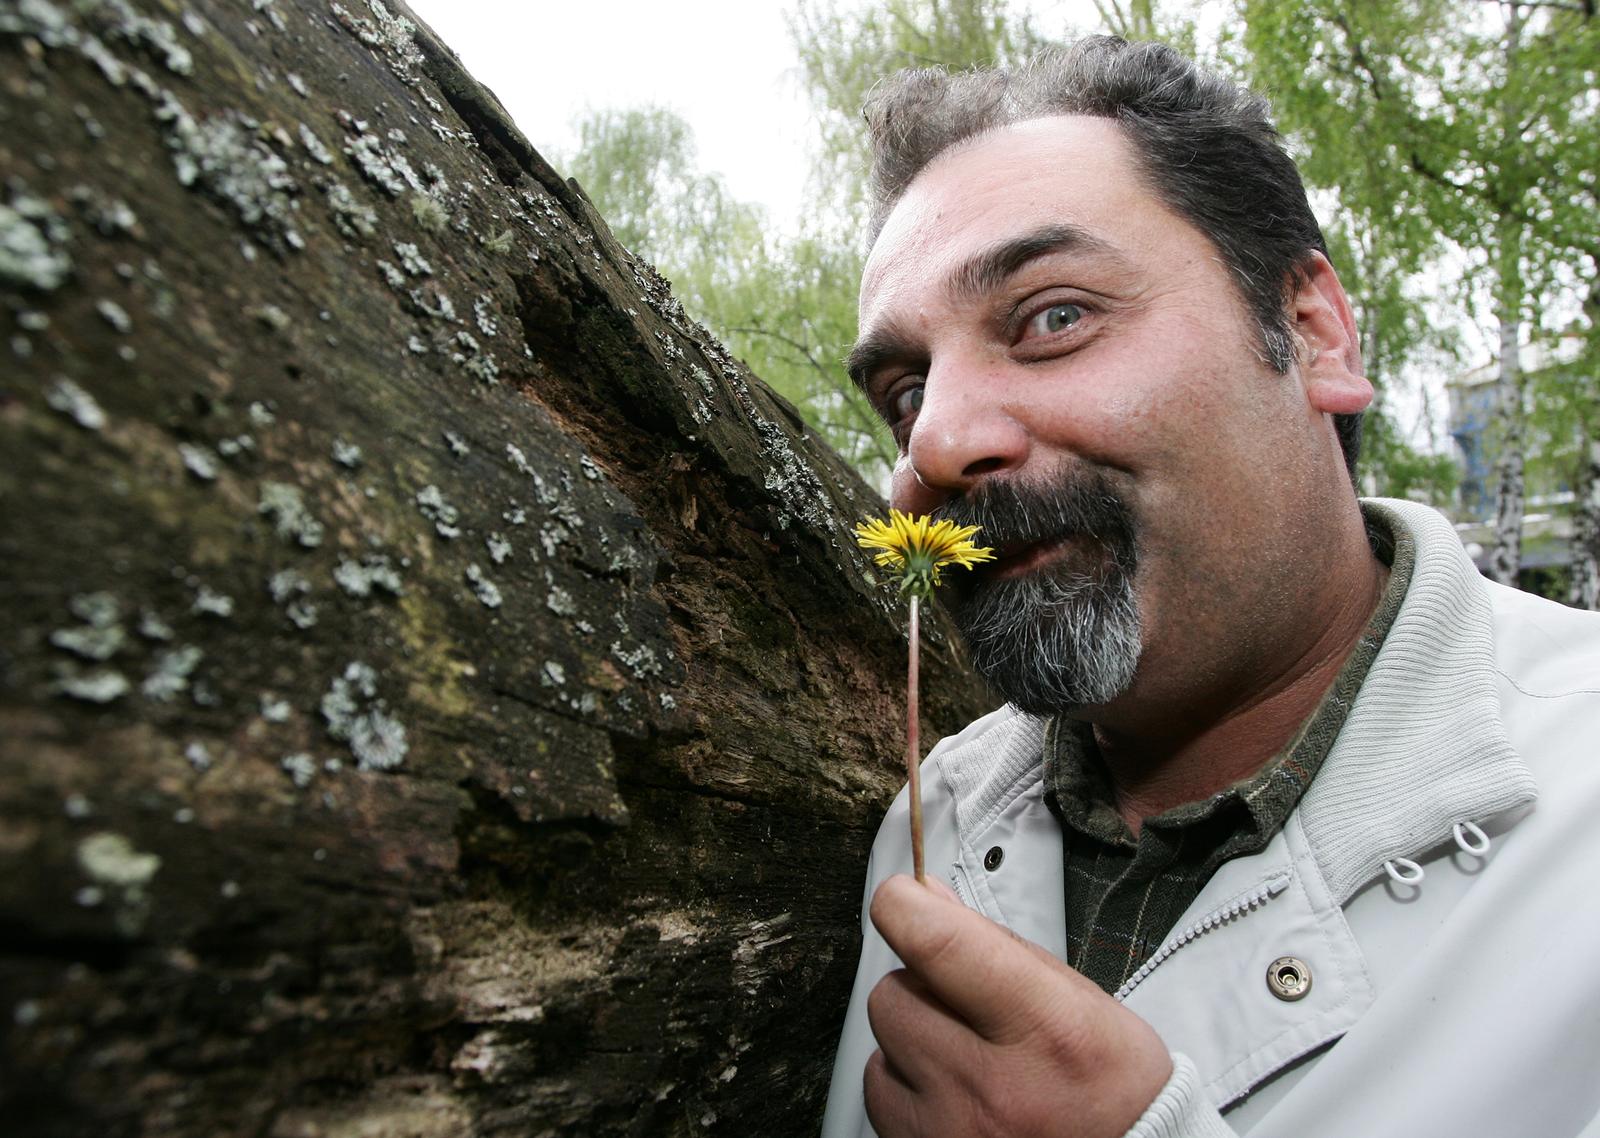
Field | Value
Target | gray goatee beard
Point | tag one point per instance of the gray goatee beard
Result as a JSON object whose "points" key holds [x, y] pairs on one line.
{"points": [[1062, 636]]}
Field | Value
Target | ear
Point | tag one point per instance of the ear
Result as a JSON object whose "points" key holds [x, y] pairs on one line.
{"points": [[1330, 349]]}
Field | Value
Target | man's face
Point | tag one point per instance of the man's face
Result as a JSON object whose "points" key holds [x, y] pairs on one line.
{"points": [[1066, 361]]}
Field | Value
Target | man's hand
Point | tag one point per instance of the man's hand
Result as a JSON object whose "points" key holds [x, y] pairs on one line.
{"points": [[984, 1033]]}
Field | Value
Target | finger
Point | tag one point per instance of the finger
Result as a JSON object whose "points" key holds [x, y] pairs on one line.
{"points": [[891, 1103], [990, 979], [920, 1037]]}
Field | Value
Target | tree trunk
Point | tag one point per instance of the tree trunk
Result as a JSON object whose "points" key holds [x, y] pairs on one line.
{"points": [[1505, 560], [1585, 590], [439, 690]]}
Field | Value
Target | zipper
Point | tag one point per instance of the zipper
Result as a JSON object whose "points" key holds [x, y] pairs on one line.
{"points": [[1215, 919]]}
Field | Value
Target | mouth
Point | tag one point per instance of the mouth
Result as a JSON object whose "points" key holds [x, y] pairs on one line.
{"points": [[1017, 558]]}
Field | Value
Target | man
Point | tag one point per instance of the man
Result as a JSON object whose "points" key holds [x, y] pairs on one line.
{"points": [[1267, 775]]}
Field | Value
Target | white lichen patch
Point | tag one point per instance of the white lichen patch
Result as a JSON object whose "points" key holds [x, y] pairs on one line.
{"points": [[552, 674], [379, 164], [346, 454], [486, 322], [315, 147], [412, 260], [431, 501], [33, 240], [499, 548], [458, 445], [289, 587], [122, 21], [77, 404], [551, 537], [300, 767], [101, 686], [271, 316], [221, 156], [152, 627], [261, 414], [111, 860], [518, 459], [210, 602], [373, 571], [200, 461], [439, 307], [115, 315], [391, 274], [112, 217], [356, 715], [560, 602], [199, 757], [351, 217], [284, 504], [101, 634], [640, 660], [92, 642], [170, 673], [287, 584], [473, 359], [487, 592], [273, 708]]}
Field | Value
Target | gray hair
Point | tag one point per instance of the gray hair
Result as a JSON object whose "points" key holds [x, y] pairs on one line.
{"points": [[1207, 147]]}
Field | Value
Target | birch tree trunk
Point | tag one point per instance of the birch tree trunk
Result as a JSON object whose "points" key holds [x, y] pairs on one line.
{"points": [[439, 690], [1585, 589], [1505, 560]]}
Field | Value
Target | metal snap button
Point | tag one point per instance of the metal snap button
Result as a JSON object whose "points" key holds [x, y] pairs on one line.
{"points": [[992, 859], [1289, 978]]}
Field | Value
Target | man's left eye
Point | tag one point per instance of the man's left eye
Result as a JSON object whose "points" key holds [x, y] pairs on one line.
{"points": [[1056, 318]]}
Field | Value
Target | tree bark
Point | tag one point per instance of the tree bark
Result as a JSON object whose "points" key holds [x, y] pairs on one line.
{"points": [[439, 690], [1505, 560], [1585, 565]]}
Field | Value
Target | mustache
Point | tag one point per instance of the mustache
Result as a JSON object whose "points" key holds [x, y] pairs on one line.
{"points": [[1013, 513]]}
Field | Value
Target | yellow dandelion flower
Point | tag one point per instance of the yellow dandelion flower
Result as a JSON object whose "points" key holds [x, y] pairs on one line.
{"points": [[915, 549]]}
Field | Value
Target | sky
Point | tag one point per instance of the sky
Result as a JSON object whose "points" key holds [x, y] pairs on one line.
{"points": [[726, 66]]}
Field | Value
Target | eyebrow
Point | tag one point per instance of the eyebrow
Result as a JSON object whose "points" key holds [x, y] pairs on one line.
{"points": [[991, 268], [982, 274]]}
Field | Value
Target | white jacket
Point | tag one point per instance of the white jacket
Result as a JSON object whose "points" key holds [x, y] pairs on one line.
{"points": [[1467, 1005]]}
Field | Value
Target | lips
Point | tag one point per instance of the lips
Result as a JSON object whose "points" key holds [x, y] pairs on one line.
{"points": [[1017, 557]]}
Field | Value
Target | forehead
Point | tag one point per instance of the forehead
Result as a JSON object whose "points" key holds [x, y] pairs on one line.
{"points": [[1067, 169]]}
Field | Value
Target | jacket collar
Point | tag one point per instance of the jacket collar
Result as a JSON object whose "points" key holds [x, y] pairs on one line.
{"points": [[1424, 747]]}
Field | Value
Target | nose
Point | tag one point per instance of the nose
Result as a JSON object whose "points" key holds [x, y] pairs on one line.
{"points": [[964, 433]]}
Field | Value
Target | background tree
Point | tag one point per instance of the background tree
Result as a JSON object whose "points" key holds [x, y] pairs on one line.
{"points": [[1438, 123]]}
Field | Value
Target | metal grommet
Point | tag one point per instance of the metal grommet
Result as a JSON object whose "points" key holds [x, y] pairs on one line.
{"points": [[992, 859], [1289, 978]]}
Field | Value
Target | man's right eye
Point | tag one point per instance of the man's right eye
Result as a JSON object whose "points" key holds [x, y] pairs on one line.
{"points": [[905, 403]]}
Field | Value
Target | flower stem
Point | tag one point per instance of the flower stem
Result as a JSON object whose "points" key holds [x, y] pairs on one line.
{"points": [[913, 764]]}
